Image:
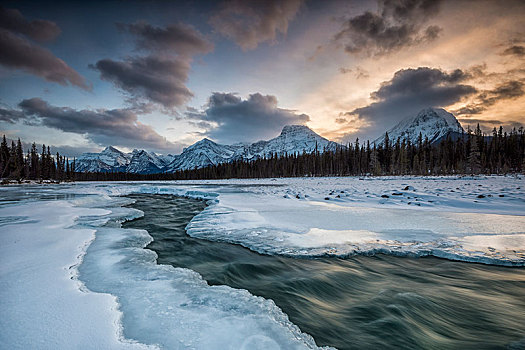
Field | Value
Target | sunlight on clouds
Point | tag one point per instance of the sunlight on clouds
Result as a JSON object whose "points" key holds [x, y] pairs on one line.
{"points": [[469, 38]]}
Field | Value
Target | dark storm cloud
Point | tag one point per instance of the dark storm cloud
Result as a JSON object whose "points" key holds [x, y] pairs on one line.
{"points": [[154, 78], [505, 91], [411, 90], [17, 52], [232, 119], [159, 77], [39, 30], [249, 23], [416, 81], [397, 24], [10, 115], [102, 126], [178, 38], [516, 50]]}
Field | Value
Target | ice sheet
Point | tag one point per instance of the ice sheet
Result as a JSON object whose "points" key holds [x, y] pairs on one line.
{"points": [[357, 217]]}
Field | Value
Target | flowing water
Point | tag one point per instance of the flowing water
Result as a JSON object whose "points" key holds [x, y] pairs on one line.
{"points": [[363, 302]]}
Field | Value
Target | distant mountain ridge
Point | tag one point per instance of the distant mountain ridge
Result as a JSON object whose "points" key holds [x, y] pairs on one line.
{"points": [[112, 159], [293, 139]]}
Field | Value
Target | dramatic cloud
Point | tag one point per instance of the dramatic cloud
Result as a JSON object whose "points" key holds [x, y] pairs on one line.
{"points": [[10, 115], [17, 52], [250, 23], [178, 38], [157, 79], [39, 30], [505, 91], [516, 50], [398, 24], [411, 90], [102, 126], [161, 76], [230, 119]]}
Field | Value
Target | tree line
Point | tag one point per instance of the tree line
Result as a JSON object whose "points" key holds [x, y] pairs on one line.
{"points": [[32, 165], [467, 153]]}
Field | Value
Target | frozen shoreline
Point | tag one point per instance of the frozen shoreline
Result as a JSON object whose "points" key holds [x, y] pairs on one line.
{"points": [[43, 304]]}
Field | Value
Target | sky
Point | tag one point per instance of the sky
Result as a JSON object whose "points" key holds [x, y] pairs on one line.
{"points": [[161, 75]]}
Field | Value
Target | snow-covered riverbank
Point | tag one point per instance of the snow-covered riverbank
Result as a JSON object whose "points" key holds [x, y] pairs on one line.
{"points": [[43, 305]]}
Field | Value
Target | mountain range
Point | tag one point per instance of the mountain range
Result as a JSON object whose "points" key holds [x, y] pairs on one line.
{"points": [[293, 139], [434, 123]]}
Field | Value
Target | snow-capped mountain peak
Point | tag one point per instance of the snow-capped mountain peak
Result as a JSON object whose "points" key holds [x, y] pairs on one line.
{"points": [[204, 143], [294, 139], [110, 149], [112, 156], [433, 123], [144, 162], [108, 160], [201, 154]]}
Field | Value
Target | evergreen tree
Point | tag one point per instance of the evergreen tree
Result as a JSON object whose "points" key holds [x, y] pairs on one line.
{"points": [[19, 160], [4, 157], [11, 162], [34, 172], [474, 157]]}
